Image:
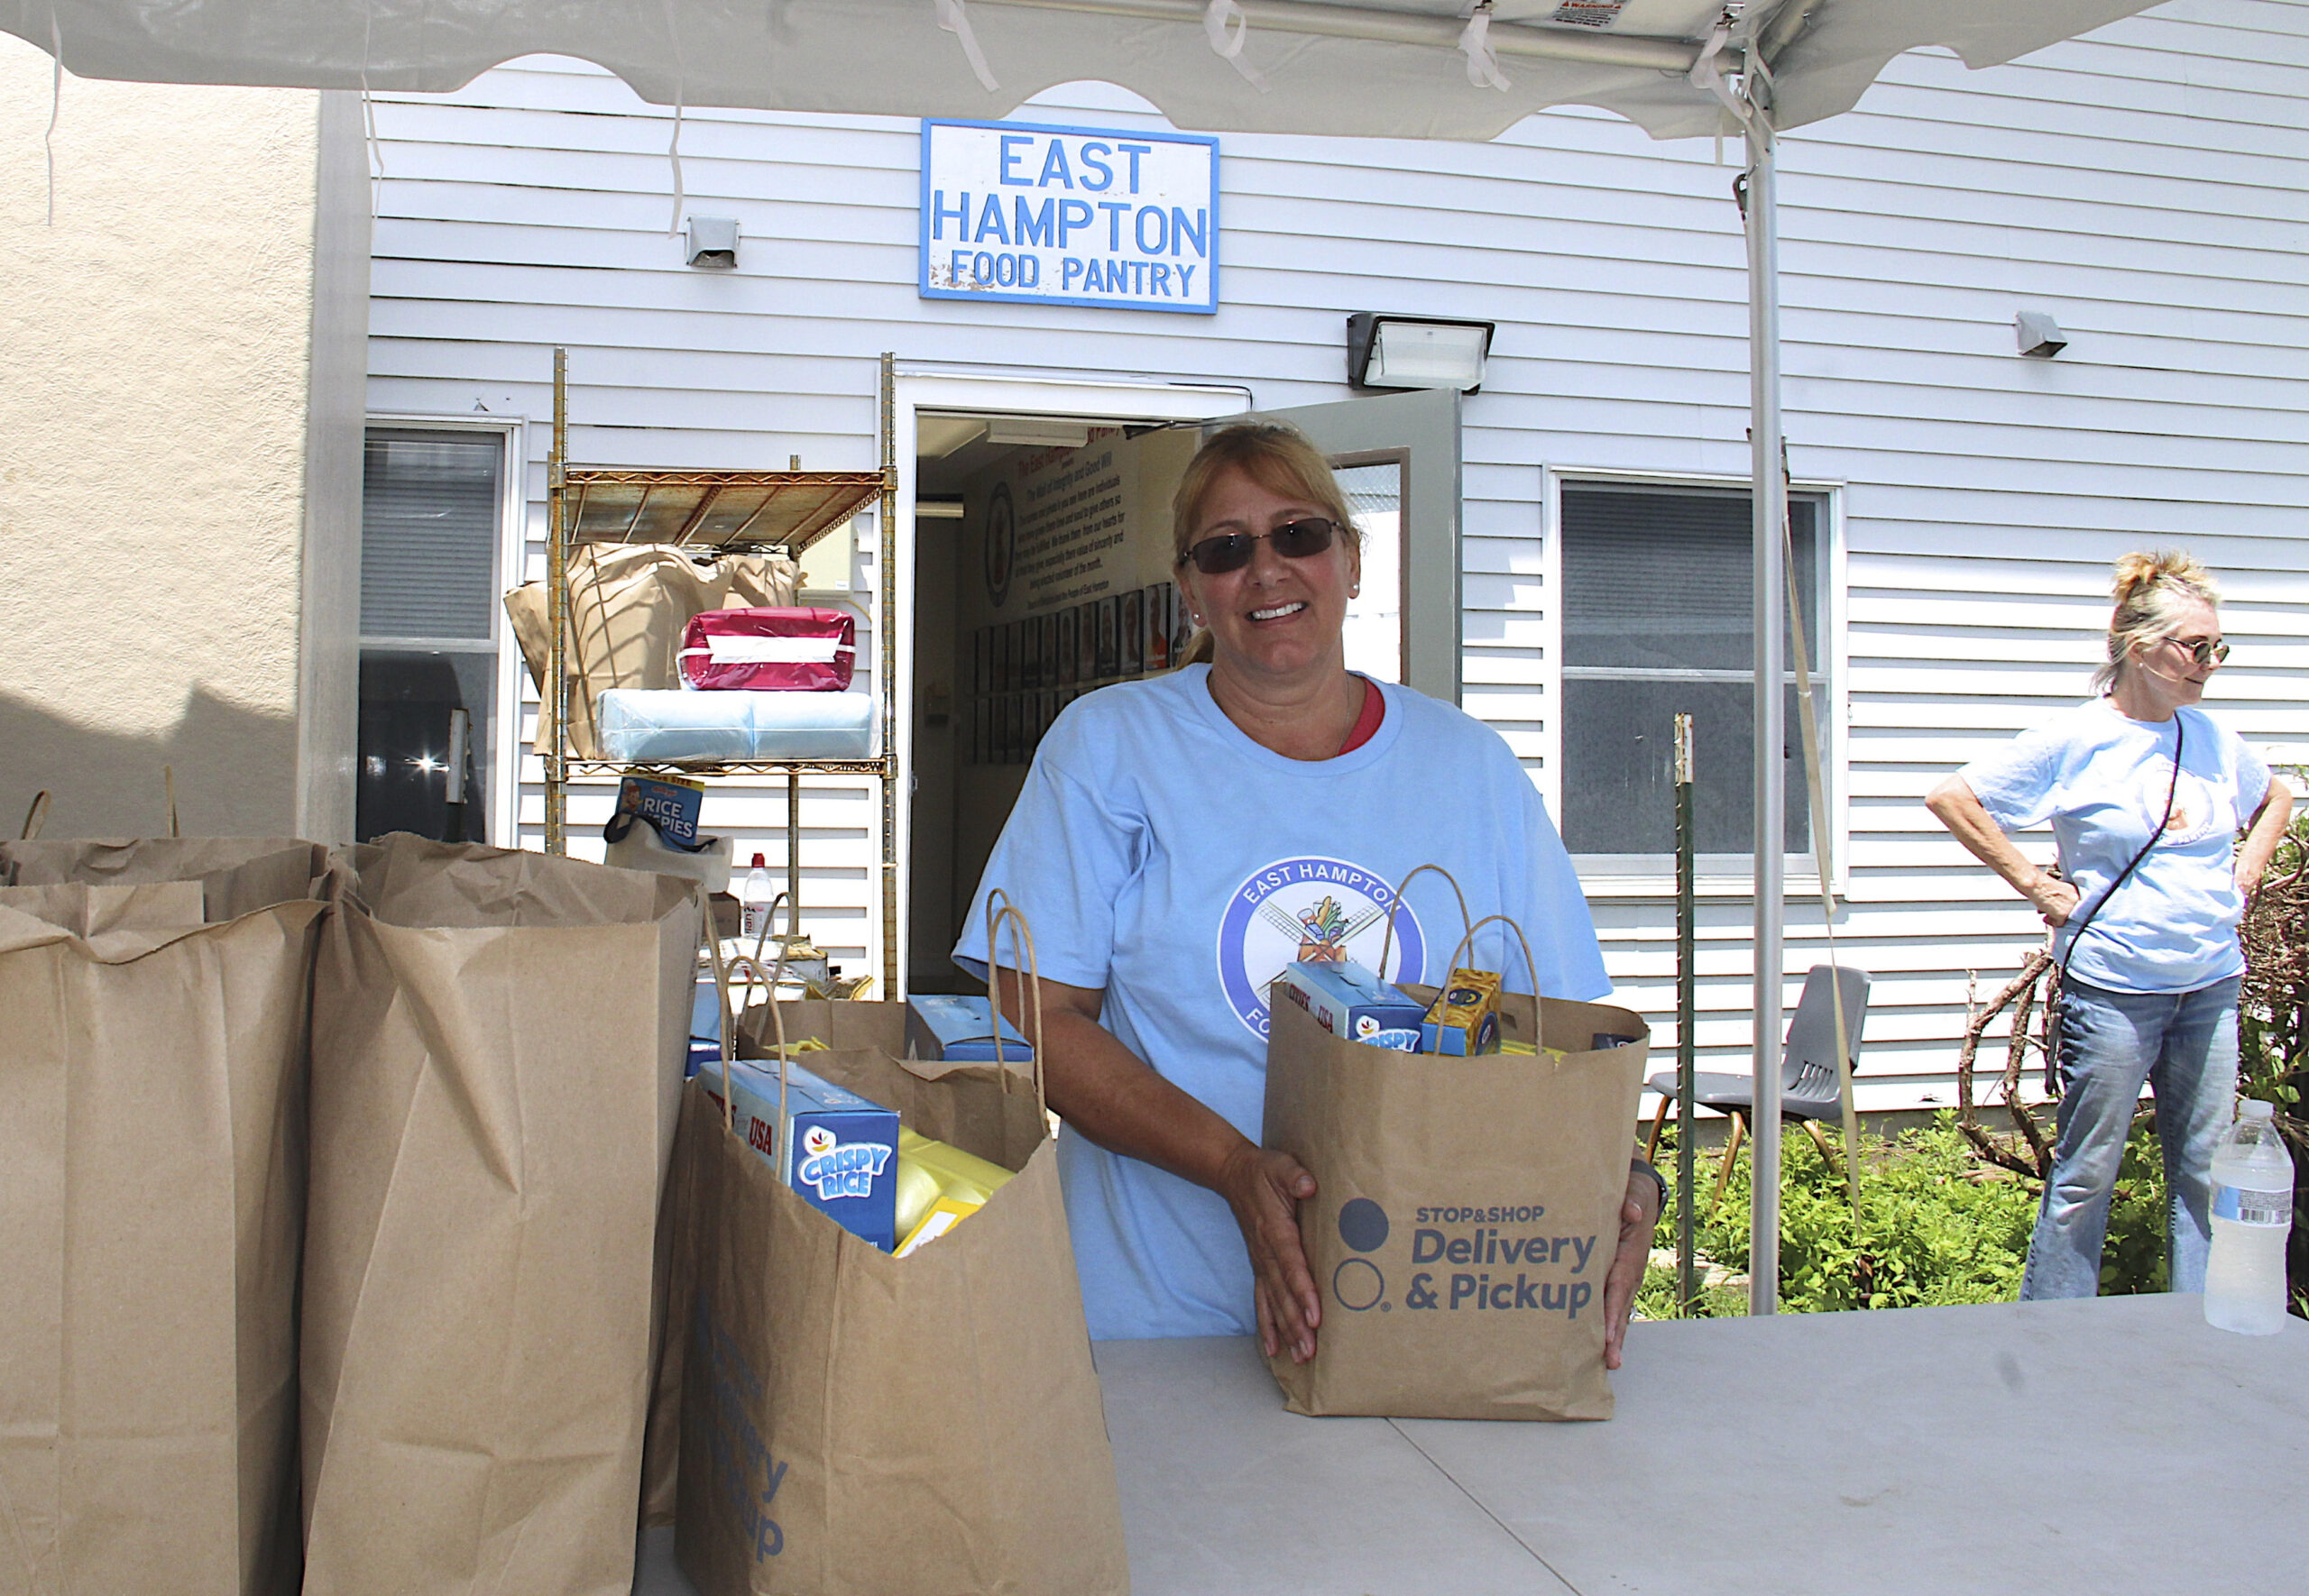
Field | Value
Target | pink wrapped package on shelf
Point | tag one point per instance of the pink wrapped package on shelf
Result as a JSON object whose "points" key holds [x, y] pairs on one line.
{"points": [[781, 650]]}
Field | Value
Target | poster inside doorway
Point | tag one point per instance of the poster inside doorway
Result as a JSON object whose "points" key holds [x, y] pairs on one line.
{"points": [[1066, 580]]}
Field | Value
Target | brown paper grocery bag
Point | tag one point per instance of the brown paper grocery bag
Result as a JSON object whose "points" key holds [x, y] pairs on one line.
{"points": [[237, 873], [151, 1192], [1466, 1212], [855, 1424], [628, 604], [496, 1056]]}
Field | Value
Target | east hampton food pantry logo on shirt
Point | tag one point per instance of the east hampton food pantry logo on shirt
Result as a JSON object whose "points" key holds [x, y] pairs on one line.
{"points": [[1314, 909], [1069, 215]]}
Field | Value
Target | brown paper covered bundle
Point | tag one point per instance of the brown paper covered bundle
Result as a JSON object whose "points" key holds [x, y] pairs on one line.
{"points": [[628, 605]]}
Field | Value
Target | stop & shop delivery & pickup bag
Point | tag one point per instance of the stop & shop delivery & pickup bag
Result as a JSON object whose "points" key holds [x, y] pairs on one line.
{"points": [[1466, 1212]]}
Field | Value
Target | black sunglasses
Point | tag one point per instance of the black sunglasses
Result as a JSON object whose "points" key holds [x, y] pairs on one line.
{"points": [[1231, 551]]}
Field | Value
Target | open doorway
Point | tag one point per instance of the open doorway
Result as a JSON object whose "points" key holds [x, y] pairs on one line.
{"points": [[1039, 576], [1040, 566]]}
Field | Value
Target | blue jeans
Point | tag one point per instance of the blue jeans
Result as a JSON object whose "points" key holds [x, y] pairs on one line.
{"points": [[2184, 1045]]}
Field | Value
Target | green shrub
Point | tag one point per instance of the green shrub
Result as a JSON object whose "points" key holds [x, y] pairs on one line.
{"points": [[2273, 1011], [1936, 1226], [2132, 1259]]}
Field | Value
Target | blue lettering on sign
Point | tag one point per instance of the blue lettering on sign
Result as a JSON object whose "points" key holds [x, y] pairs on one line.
{"points": [[983, 270], [1035, 226], [1011, 144], [1116, 210], [990, 220], [1014, 211], [1199, 230]]}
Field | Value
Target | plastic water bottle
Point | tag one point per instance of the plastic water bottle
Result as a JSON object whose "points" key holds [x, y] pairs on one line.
{"points": [[753, 902], [2252, 1213]]}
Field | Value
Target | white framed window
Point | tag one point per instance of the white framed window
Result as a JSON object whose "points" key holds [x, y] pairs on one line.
{"points": [[1653, 596], [433, 531]]}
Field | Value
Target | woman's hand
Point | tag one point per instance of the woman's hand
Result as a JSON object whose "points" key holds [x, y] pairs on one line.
{"points": [[2054, 898], [1264, 1189], [1639, 1214]]}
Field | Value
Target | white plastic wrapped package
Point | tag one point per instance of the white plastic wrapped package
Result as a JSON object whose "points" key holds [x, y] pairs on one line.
{"points": [[640, 725]]}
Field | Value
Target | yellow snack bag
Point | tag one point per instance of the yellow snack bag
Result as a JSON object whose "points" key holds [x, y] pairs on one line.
{"points": [[939, 1187], [1525, 1050], [945, 1214], [917, 1189]]}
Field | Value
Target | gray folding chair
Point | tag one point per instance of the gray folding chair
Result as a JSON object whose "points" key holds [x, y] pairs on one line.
{"points": [[1808, 1070]]}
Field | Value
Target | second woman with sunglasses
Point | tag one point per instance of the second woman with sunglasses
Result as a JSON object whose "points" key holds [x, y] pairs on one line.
{"points": [[1179, 840], [2146, 793]]}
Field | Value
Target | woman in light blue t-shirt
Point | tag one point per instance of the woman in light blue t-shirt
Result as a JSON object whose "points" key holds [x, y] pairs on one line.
{"points": [[1179, 839], [2146, 793]]}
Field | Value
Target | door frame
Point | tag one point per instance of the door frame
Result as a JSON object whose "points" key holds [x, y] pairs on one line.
{"points": [[929, 388]]}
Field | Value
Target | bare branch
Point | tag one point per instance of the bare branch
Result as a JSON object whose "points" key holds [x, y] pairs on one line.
{"points": [[1995, 1152], [2035, 1137]]}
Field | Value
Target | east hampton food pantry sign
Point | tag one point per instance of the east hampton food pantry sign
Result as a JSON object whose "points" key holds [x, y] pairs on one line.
{"points": [[1070, 215]]}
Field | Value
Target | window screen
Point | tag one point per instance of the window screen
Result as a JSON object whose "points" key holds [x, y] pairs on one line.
{"points": [[429, 534], [1657, 593]]}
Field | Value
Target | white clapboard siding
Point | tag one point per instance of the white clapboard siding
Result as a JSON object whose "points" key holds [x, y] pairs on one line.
{"points": [[2145, 185]]}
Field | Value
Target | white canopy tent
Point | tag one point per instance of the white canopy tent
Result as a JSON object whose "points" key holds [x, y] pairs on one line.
{"points": [[1420, 69]]}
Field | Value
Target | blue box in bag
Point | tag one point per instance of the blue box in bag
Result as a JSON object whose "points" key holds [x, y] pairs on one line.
{"points": [[961, 1028], [843, 1154], [1350, 1002], [704, 1026]]}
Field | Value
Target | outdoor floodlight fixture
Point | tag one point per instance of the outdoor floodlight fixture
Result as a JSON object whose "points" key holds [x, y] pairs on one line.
{"points": [[712, 241], [2040, 334], [1416, 350]]}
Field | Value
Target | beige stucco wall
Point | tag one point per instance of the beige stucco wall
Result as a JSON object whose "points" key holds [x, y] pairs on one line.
{"points": [[161, 491]]}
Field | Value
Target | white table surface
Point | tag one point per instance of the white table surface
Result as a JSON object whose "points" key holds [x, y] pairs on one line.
{"points": [[2109, 1447]]}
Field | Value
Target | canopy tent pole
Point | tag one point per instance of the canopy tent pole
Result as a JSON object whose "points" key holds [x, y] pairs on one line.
{"points": [[1768, 496], [1748, 99]]}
